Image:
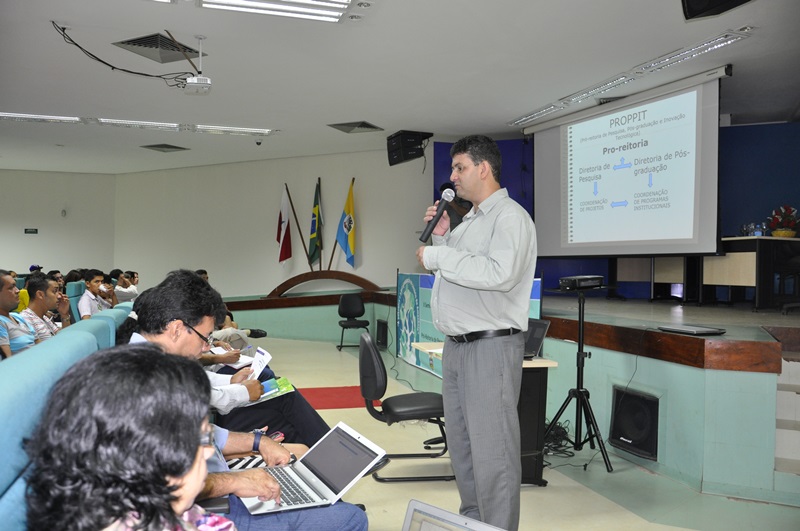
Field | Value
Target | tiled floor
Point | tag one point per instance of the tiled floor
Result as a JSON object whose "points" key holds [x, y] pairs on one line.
{"points": [[630, 498]]}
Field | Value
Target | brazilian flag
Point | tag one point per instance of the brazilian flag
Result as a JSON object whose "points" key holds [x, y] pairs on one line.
{"points": [[315, 238]]}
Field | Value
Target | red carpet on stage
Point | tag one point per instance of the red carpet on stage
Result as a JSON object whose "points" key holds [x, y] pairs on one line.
{"points": [[334, 397]]}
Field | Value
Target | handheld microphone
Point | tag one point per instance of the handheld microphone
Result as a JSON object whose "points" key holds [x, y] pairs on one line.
{"points": [[447, 196]]}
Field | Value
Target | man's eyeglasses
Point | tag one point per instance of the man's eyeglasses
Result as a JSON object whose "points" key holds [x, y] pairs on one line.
{"points": [[208, 339], [207, 437]]}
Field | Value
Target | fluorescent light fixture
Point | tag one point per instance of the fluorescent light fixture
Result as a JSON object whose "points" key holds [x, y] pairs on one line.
{"points": [[224, 130], [41, 118], [665, 61], [599, 88], [535, 115], [650, 67], [325, 11], [136, 124]]}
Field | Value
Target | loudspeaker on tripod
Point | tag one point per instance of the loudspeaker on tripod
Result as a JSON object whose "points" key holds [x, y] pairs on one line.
{"points": [[634, 423]]}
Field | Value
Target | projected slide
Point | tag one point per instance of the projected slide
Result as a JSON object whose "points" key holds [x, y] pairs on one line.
{"points": [[631, 175]]}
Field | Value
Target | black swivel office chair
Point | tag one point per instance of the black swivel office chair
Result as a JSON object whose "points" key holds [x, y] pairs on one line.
{"points": [[411, 406], [351, 307]]}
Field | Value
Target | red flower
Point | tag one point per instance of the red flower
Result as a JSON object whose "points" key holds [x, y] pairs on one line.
{"points": [[784, 217]]}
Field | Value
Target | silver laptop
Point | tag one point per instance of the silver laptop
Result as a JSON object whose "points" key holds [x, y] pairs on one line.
{"points": [[534, 337], [692, 330], [324, 474], [423, 517]]}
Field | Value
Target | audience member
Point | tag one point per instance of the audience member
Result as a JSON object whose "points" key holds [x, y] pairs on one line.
{"points": [[125, 289], [73, 275], [179, 314], [91, 302], [15, 333], [134, 277], [45, 297], [229, 330], [56, 275], [122, 445], [24, 298]]}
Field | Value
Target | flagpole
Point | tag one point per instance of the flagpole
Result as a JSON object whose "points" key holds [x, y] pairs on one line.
{"points": [[297, 222], [352, 181], [322, 228]]}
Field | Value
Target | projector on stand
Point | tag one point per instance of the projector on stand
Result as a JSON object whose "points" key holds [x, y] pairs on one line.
{"points": [[578, 282], [198, 85]]}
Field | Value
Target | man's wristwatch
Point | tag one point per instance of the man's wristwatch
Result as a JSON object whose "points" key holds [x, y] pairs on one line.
{"points": [[258, 434]]}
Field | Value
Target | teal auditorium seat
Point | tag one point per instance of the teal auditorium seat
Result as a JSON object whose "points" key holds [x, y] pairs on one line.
{"points": [[127, 306], [103, 330], [116, 315], [25, 383], [20, 282], [74, 291]]}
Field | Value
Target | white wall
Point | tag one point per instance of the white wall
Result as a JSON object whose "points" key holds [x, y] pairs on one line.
{"points": [[224, 219], [84, 238]]}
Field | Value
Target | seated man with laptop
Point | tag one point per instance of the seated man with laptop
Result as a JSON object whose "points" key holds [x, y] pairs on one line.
{"points": [[259, 488]]}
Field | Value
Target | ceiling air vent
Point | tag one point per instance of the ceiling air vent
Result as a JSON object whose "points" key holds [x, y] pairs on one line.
{"points": [[356, 127], [165, 148], [158, 48]]}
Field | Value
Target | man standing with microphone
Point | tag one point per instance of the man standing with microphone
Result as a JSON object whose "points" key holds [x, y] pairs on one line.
{"points": [[481, 299]]}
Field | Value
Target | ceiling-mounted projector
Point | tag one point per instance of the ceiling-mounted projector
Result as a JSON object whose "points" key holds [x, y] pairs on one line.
{"points": [[197, 85]]}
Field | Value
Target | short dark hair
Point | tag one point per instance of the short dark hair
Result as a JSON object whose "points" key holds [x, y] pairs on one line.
{"points": [[480, 148], [183, 295], [117, 426], [115, 273], [201, 271], [53, 272], [131, 274], [37, 282], [90, 274], [3, 274], [73, 275]]}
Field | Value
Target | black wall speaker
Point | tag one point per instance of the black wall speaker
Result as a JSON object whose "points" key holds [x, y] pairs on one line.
{"points": [[707, 8], [382, 334], [634, 423], [405, 145]]}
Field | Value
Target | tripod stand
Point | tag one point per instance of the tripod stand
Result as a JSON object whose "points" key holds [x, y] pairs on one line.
{"points": [[581, 397]]}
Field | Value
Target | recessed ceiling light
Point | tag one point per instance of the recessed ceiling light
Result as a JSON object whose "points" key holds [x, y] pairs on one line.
{"points": [[324, 11], [42, 118]]}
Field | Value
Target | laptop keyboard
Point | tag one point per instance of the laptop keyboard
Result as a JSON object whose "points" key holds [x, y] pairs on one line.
{"points": [[291, 492]]}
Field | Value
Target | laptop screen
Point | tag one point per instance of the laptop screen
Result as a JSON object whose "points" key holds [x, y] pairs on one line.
{"points": [[534, 337], [423, 517], [337, 458]]}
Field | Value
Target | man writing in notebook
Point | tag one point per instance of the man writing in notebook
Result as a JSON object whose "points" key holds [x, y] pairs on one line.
{"points": [[481, 296]]}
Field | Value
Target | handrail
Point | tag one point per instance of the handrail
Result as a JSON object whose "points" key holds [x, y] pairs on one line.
{"points": [[302, 278]]}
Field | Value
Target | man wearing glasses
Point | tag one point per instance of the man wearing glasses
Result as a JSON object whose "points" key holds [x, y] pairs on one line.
{"points": [[179, 315]]}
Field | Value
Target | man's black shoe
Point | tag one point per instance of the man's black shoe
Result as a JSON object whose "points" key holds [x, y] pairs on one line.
{"points": [[257, 333]]}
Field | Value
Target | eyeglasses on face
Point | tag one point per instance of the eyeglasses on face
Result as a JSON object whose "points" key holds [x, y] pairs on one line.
{"points": [[208, 339], [207, 437]]}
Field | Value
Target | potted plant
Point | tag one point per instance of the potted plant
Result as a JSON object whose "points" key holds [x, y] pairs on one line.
{"points": [[783, 222]]}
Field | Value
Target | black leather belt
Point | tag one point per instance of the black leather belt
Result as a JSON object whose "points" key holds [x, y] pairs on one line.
{"points": [[483, 334]]}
